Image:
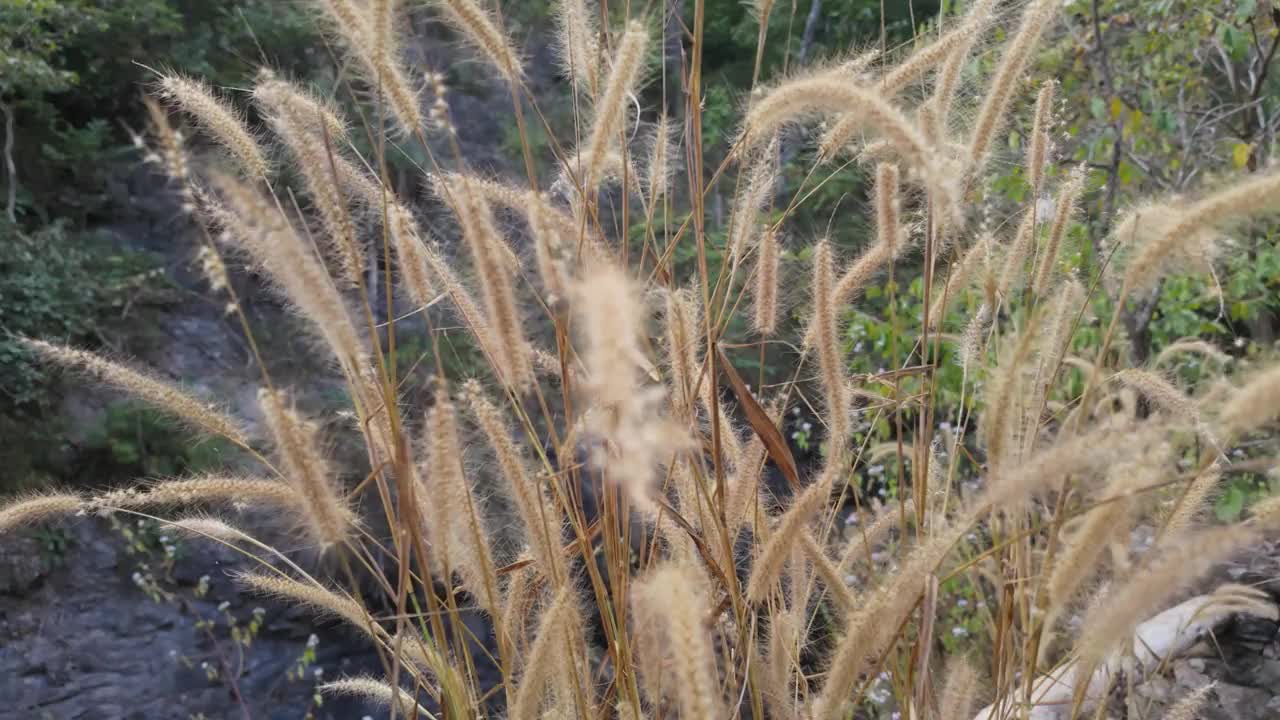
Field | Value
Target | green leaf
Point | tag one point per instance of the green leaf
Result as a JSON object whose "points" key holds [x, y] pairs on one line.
{"points": [[1240, 154], [1230, 505]]}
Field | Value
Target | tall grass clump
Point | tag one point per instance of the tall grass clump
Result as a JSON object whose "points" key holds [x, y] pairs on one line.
{"points": [[610, 490]]}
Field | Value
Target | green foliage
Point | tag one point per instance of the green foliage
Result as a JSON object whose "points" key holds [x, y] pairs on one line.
{"points": [[74, 70], [1182, 94], [62, 285], [136, 441], [58, 284]]}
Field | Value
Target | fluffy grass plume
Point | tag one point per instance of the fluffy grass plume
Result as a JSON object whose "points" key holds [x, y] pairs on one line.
{"points": [[153, 391], [1127, 604], [327, 516], [578, 44], [628, 64], [378, 691], [271, 242], [479, 28], [355, 28], [240, 491], [489, 255], [546, 658], [673, 594], [222, 121], [993, 112], [1173, 237], [1038, 150], [1256, 403], [765, 297], [827, 342], [33, 509], [540, 520], [1064, 211], [457, 530]]}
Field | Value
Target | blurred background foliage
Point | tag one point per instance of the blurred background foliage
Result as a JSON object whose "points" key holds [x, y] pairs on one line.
{"points": [[1156, 96]]}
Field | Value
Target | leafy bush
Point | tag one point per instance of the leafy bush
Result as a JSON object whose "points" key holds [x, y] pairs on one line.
{"points": [[54, 283]]}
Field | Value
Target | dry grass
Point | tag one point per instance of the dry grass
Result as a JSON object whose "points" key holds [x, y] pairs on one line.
{"points": [[603, 406]]}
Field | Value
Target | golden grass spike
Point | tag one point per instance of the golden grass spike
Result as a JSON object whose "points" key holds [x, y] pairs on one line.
{"points": [[541, 522], [328, 518], [266, 235], [285, 98], [1089, 537], [773, 555], [1254, 404], [312, 596], [764, 318], [959, 690], [1129, 603], [328, 199], [411, 252], [823, 93], [380, 68], [578, 44], [489, 253], [994, 110], [1014, 273], [962, 276], [941, 51], [246, 491], [1159, 391], [874, 626], [829, 572], [612, 110], [1064, 211], [1174, 238], [620, 409], [753, 196], [454, 523], [378, 691], [158, 393], [32, 509], [1188, 708], [948, 80], [1059, 325], [1194, 501], [545, 658], [220, 120], [482, 31], [211, 527], [660, 167], [674, 594], [681, 342], [830, 358], [1038, 149]]}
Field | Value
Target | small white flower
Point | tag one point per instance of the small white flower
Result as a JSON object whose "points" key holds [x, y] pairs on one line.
{"points": [[313, 641], [224, 606], [795, 410], [962, 603], [259, 612], [319, 673], [959, 632], [795, 435], [807, 426]]}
